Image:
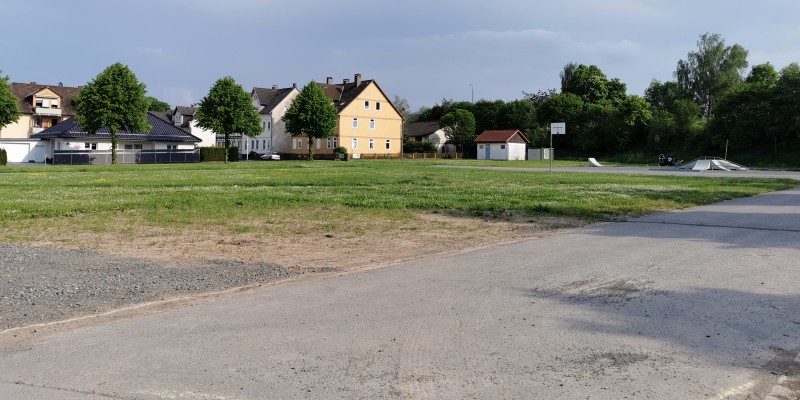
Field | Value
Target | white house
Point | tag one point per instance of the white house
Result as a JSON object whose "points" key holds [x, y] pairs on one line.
{"points": [[68, 143], [426, 131], [501, 145], [272, 105]]}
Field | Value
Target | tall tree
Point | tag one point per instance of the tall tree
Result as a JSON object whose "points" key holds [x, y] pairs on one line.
{"points": [[157, 105], [711, 70], [311, 114], [459, 127], [9, 104], [228, 109], [588, 82], [116, 100], [402, 106]]}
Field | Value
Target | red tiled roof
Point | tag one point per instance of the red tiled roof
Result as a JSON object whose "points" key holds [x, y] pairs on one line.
{"points": [[499, 136]]}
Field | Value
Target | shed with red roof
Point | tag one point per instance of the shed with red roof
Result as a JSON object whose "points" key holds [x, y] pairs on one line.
{"points": [[502, 145]]}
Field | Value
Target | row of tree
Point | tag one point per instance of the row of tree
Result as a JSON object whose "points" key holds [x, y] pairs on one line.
{"points": [[115, 99], [711, 103]]}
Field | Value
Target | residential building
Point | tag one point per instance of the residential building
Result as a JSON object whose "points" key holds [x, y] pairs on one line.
{"points": [[426, 131], [183, 117], [41, 106], [272, 105], [368, 125], [68, 143], [502, 145]]}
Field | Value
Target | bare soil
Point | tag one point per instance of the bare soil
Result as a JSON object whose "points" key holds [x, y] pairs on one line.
{"points": [[375, 243]]}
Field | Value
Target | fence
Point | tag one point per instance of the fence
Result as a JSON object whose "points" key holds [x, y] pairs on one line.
{"points": [[125, 156]]}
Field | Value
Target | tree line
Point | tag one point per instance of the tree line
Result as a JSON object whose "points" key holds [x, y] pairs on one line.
{"points": [[713, 103]]}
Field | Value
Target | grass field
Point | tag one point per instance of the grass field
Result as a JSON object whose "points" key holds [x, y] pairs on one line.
{"points": [[182, 193], [325, 213]]}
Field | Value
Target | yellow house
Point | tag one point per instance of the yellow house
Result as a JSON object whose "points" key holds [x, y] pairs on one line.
{"points": [[41, 107], [369, 125]]}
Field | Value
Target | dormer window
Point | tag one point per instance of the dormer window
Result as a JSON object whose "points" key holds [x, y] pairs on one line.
{"points": [[366, 104], [39, 103]]}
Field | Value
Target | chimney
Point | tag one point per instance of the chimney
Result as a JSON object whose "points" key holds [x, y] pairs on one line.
{"points": [[274, 86], [294, 85], [330, 80], [345, 81], [358, 79], [33, 83]]}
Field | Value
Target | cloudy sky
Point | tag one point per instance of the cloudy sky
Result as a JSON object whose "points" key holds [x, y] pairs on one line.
{"points": [[423, 51]]}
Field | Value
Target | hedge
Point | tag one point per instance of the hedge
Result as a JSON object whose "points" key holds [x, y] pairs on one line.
{"points": [[217, 153], [3, 157]]}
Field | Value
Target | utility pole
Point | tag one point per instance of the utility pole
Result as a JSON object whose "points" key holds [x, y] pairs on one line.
{"points": [[472, 94]]}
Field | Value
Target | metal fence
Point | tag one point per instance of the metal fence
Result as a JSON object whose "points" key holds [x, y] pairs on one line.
{"points": [[125, 156]]}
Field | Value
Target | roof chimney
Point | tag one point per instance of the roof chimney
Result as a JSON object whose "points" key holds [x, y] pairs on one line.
{"points": [[330, 80], [358, 79], [294, 85], [345, 81], [274, 86]]}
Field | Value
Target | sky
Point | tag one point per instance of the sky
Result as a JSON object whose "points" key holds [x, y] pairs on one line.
{"points": [[423, 51]]}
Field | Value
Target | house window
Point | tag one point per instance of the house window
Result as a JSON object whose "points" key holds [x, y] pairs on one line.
{"points": [[90, 146], [264, 125], [37, 122], [480, 146], [372, 144], [355, 122], [256, 144], [372, 124], [136, 146], [336, 142], [355, 143], [319, 144], [366, 104], [388, 144], [39, 102], [502, 147], [263, 143], [300, 143], [269, 125], [172, 147], [377, 106], [328, 144], [53, 121], [54, 103]]}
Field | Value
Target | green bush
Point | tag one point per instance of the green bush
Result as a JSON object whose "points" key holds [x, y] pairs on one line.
{"points": [[419, 147], [340, 150], [217, 153], [3, 157]]}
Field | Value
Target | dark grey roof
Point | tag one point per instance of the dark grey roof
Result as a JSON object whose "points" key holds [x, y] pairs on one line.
{"points": [[270, 98], [162, 131], [186, 111], [166, 116], [421, 128]]}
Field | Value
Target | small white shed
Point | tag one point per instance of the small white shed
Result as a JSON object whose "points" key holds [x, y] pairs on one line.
{"points": [[502, 145]]}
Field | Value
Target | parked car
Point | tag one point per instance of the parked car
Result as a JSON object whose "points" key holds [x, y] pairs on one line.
{"points": [[270, 156]]}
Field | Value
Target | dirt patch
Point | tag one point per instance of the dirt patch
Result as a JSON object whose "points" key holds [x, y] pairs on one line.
{"points": [[303, 247]]}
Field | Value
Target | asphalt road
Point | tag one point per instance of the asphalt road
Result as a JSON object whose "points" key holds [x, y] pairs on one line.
{"points": [[702, 303]]}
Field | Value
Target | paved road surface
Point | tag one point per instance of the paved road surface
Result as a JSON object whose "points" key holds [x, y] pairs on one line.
{"points": [[696, 304]]}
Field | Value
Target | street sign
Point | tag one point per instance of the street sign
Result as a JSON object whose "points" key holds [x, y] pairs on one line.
{"points": [[558, 128]]}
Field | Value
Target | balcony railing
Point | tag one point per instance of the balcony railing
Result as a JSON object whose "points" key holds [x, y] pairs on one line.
{"points": [[55, 112]]}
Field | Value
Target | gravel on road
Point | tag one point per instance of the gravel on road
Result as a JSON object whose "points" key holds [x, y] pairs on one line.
{"points": [[43, 284]]}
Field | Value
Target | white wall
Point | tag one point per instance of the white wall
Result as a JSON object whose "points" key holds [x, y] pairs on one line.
{"points": [[502, 151], [20, 151]]}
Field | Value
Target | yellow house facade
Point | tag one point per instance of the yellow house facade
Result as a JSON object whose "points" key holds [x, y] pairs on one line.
{"points": [[41, 106], [369, 125]]}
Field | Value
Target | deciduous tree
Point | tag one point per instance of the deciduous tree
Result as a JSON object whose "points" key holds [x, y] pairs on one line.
{"points": [[157, 105], [9, 104], [311, 114], [116, 100], [714, 68], [459, 127], [228, 109]]}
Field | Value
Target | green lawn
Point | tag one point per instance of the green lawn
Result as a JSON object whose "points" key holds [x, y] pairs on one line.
{"points": [[210, 193]]}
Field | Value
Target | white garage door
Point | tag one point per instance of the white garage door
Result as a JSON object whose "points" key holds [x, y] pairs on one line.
{"points": [[18, 152]]}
